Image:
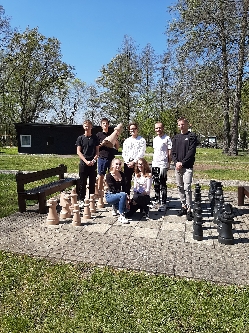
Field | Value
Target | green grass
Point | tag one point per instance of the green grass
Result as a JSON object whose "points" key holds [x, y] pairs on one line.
{"points": [[8, 195], [38, 296]]}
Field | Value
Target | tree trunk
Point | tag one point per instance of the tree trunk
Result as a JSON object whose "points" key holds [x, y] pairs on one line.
{"points": [[233, 150], [225, 80]]}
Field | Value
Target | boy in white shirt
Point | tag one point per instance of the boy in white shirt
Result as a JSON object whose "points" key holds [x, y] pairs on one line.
{"points": [[160, 164]]}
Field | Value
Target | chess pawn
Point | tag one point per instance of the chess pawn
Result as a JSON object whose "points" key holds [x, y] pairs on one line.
{"points": [[92, 204], [73, 197], [106, 188], [86, 212], [65, 204], [96, 193], [52, 218], [100, 203], [76, 216]]}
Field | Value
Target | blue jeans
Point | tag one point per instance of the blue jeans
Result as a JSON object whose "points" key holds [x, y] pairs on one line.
{"points": [[103, 166], [118, 200]]}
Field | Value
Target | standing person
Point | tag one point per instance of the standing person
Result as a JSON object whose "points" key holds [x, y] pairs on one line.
{"points": [[183, 156], [133, 149], [116, 194], [87, 150], [106, 154], [160, 164], [142, 186]]}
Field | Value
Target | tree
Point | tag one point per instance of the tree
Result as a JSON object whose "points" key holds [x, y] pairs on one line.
{"points": [[214, 32], [6, 31], [67, 103], [34, 72], [120, 81], [94, 111]]}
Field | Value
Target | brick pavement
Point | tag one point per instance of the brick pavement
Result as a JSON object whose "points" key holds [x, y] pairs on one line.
{"points": [[163, 244]]}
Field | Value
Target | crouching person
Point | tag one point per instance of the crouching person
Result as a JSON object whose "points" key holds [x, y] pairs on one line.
{"points": [[116, 193], [142, 186]]}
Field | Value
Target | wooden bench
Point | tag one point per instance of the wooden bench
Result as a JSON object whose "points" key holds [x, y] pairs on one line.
{"points": [[41, 192], [242, 192]]}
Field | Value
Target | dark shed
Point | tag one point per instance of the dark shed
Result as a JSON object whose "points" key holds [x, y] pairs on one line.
{"points": [[49, 138]]}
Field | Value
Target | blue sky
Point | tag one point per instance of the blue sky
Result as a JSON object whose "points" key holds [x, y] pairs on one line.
{"points": [[92, 31]]}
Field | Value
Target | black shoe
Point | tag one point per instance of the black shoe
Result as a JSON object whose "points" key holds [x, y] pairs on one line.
{"points": [[146, 215], [189, 215], [182, 212]]}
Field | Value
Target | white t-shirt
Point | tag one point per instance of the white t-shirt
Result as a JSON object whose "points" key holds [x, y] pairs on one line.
{"points": [[161, 144]]}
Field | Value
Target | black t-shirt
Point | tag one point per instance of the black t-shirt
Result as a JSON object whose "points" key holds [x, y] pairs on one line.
{"points": [[115, 186], [105, 152], [88, 146]]}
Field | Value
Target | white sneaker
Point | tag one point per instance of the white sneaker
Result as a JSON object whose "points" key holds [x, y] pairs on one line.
{"points": [[154, 204], [123, 219], [115, 212], [162, 208]]}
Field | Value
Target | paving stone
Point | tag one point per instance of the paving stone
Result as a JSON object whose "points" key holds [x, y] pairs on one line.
{"points": [[163, 244], [145, 232]]}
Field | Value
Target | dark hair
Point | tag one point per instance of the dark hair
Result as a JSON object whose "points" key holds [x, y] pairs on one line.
{"points": [[88, 122], [147, 171], [104, 119], [182, 119], [134, 124]]}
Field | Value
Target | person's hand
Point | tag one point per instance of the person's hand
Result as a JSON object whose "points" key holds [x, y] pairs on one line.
{"points": [[178, 165], [131, 164]]}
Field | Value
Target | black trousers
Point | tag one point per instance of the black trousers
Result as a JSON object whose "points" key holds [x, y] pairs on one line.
{"points": [[85, 172], [139, 201], [128, 173], [159, 177]]}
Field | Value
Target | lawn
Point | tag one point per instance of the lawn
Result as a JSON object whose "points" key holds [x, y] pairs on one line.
{"points": [[40, 296]]}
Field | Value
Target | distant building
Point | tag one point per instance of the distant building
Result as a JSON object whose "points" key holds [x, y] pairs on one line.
{"points": [[49, 138]]}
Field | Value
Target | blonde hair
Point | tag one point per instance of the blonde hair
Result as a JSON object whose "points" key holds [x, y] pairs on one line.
{"points": [[112, 163]]}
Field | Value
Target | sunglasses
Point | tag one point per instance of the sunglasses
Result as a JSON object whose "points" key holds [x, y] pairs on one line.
{"points": [[140, 164]]}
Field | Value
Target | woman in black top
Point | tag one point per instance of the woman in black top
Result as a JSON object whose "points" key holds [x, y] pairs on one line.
{"points": [[116, 193]]}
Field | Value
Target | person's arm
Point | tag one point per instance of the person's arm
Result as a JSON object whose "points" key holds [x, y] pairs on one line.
{"points": [[116, 146], [135, 184], [148, 184], [96, 154], [125, 151], [82, 157], [169, 156], [173, 151], [110, 181], [169, 143]]}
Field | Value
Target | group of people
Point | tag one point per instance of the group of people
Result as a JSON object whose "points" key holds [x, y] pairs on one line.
{"points": [[98, 158]]}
